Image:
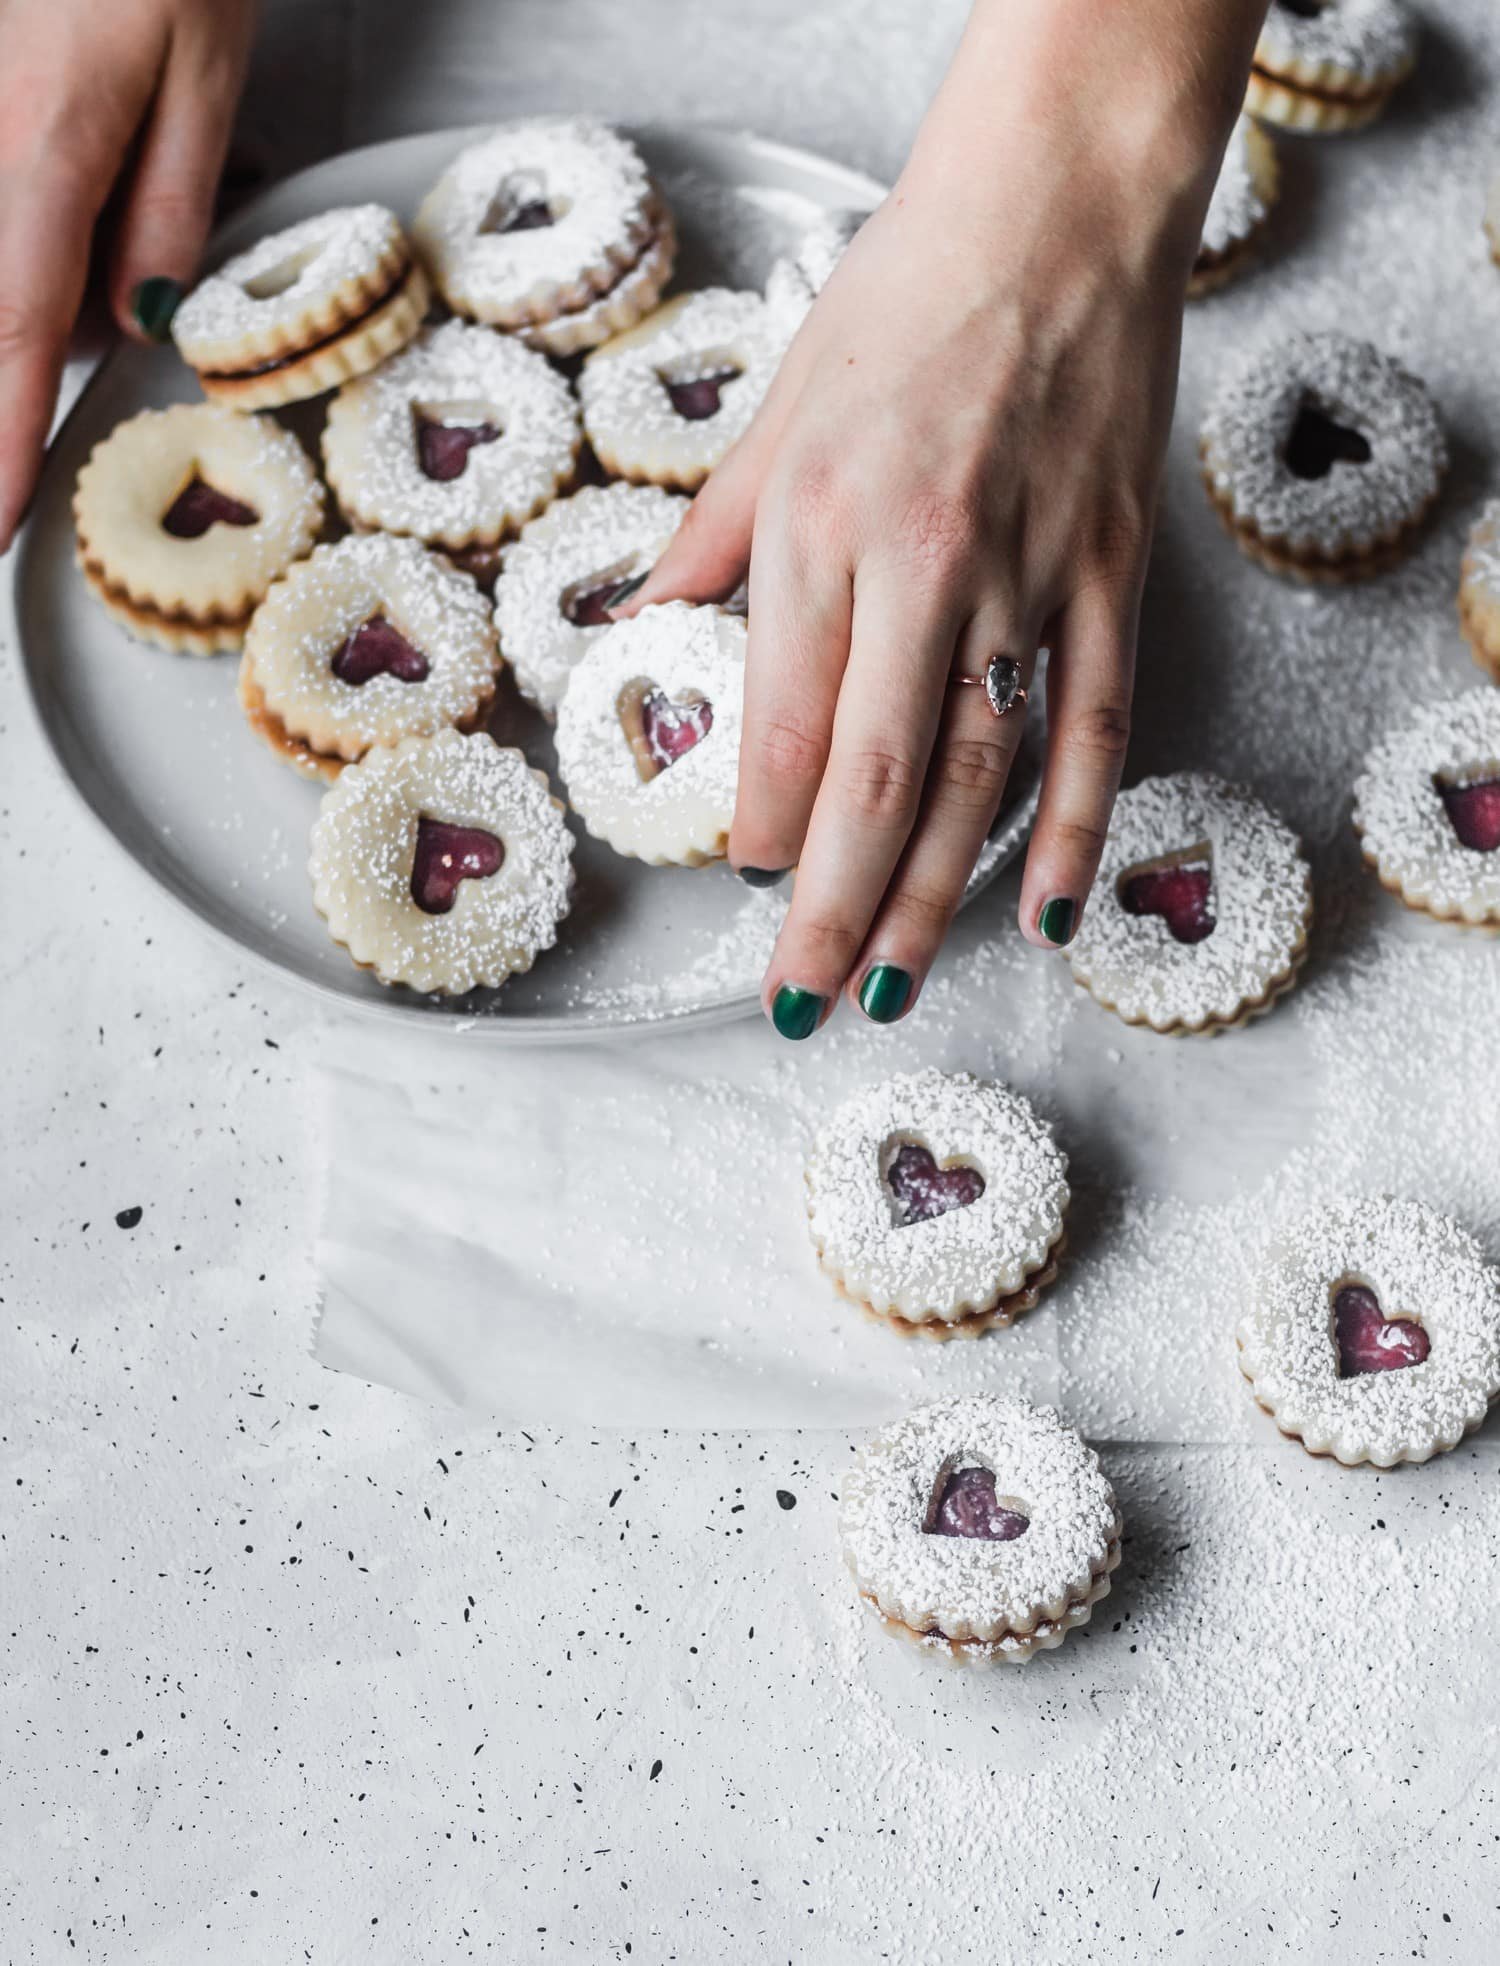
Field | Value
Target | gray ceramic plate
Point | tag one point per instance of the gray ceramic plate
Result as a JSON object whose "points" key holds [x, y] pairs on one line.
{"points": [[157, 747]]}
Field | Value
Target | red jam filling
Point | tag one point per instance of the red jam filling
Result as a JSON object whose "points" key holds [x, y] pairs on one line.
{"points": [[447, 855], [967, 1507], [1369, 1341], [695, 398], [671, 729], [588, 607], [198, 506], [1316, 443], [519, 205], [443, 448], [378, 649], [1474, 813], [923, 1189], [1178, 894]]}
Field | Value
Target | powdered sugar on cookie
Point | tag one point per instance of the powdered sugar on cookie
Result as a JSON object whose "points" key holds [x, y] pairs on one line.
{"points": [[1427, 807]]}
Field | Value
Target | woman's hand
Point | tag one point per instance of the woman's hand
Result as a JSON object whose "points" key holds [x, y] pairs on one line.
{"points": [[132, 100], [960, 458]]}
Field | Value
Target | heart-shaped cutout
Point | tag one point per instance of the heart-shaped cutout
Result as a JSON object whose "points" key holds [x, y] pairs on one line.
{"points": [[662, 729], [282, 277], [921, 1189], [695, 385], [445, 856], [378, 648], [1178, 887], [1366, 1340], [520, 204], [198, 506], [588, 601], [1317, 443], [965, 1504], [1473, 811], [447, 432]]}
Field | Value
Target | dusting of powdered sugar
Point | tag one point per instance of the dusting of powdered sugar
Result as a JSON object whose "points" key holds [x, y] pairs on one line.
{"points": [[1419, 1264], [1351, 507], [361, 862], [370, 441], [1260, 898], [1481, 566], [604, 531], [1238, 204], [960, 1260], [1369, 39], [1399, 810], [965, 1587], [796, 279]]}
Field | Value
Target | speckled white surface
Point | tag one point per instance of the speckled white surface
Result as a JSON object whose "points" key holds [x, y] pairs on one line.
{"points": [[297, 1669]]}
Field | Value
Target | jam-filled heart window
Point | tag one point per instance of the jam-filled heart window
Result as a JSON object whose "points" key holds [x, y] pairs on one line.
{"points": [[200, 505], [662, 729], [522, 203], [586, 602], [921, 1187], [695, 384], [446, 856], [1368, 1338], [447, 432], [964, 1503], [1317, 442], [1471, 799], [1176, 886], [378, 647]]}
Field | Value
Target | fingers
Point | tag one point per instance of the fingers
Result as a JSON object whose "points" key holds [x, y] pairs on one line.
{"points": [[709, 554], [971, 761], [887, 717], [1089, 683], [170, 201]]}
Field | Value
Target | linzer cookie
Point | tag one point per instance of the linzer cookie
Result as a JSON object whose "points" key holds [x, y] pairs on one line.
{"points": [[982, 1528], [664, 402], [1479, 590], [1322, 458], [550, 228], [303, 310], [1427, 809], [648, 733], [562, 575], [1239, 209], [185, 516], [1324, 66], [443, 863], [796, 280], [936, 1201], [458, 440], [1373, 1332], [366, 642], [1201, 909]]}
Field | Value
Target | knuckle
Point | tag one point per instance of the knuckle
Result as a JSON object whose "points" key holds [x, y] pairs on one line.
{"points": [[789, 754], [924, 912], [1098, 733], [826, 948], [974, 772], [1079, 839], [882, 786], [815, 503], [937, 528], [168, 208]]}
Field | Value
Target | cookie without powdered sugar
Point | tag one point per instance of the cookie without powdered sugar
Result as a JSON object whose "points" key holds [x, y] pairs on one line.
{"points": [[937, 1202], [1427, 809], [982, 1528], [1373, 1333]]}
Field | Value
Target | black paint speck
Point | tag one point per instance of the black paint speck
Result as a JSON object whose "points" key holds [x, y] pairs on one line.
{"points": [[655, 1770], [786, 1498], [129, 1218]]}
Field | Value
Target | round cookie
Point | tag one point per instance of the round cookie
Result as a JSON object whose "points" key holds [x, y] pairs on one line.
{"points": [[1322, 458], [1373, 1332], [551, 228], [458, 440], [1239, 209], [983, 1528], [185, 516], [1479, 590], [562, 574], [937, 1201], [664, 402], [1324, 66], [442, 863], [1427, 809], [303, 310], [796, 280], [1201, 907], [368, 641], [648, 733]]}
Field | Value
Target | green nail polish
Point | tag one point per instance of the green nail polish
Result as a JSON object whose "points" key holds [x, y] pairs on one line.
{"points": [[795, 1012], [153, 304], [763, 876], [1058, 920], [885, 993]]}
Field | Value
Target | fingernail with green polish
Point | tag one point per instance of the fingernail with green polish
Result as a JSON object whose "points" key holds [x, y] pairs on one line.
{"points": [[1058, 920], [627, 589], [885, 993], [153, 304], [763, 876], [795, 1013]]}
